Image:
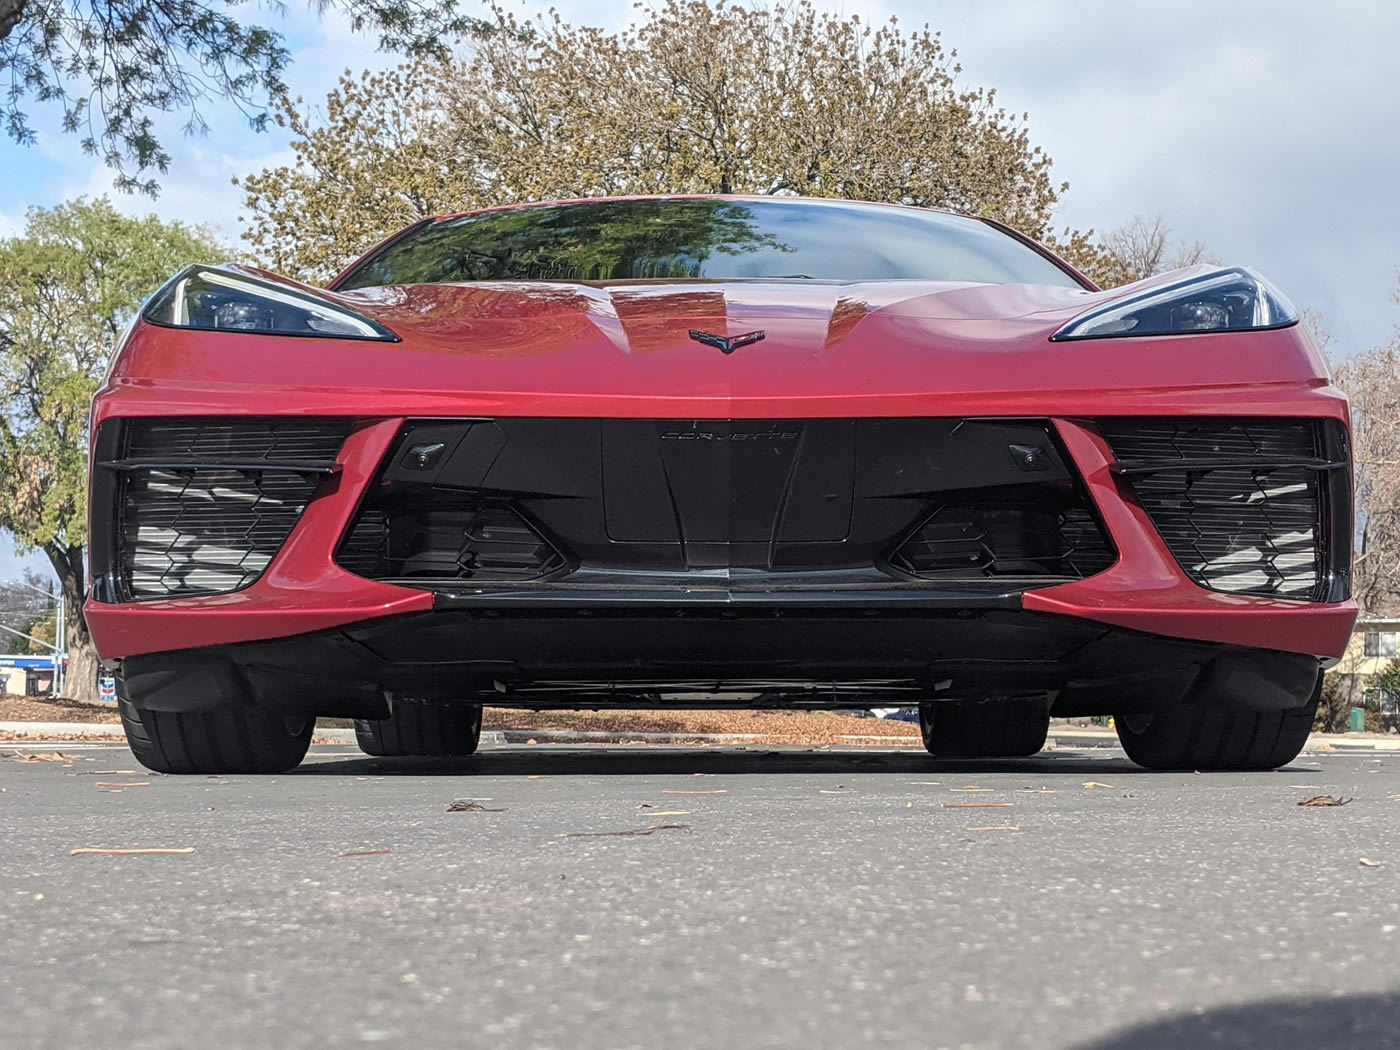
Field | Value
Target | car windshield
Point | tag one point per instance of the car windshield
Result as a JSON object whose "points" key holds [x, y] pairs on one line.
{"points": [[677, 239]]}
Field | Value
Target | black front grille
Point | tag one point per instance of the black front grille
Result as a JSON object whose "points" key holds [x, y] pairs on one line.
{"points": [[204, 505], [440, 537], [1029, 534], [1241, 503], [238, 440]]}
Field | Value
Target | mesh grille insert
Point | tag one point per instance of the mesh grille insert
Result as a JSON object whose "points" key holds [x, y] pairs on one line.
{"points": [[1027, 536], [1249, 529], [430, 536], [199, 514]]}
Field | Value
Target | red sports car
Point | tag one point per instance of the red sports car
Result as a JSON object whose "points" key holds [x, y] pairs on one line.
{"points": [[711, 451]]}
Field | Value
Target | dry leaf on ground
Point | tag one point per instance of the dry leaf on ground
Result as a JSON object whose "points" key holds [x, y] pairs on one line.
{"points": [[623, 834], [157, 851], [364, 852], [1324, 800], [43, 756], [1096, 784], [1367, 862], [465, 805]]}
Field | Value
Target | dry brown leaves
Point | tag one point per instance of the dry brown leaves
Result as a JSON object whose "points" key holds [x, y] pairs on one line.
{"points": [[467, 805], [1324, 800]]}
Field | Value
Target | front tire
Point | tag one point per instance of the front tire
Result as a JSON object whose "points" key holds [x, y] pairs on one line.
{"points": [[1194, 737], [422, 728], [229, 738], [1213, 738], [1010, 728]]}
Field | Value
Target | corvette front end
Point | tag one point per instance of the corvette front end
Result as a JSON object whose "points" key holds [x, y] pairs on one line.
{"points": [[964, 495]]}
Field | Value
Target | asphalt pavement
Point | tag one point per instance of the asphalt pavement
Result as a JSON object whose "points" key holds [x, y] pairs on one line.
{"points": [[589, 898]]}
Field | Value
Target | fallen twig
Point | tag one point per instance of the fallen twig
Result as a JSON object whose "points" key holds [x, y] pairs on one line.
{"points": [[621, 834], [173, 851]]}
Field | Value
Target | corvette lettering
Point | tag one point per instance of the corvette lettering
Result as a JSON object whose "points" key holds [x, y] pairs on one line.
{"points": [[742, 435]]}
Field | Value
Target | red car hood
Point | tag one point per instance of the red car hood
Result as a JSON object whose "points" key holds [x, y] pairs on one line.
{"points": [[622, 348]]}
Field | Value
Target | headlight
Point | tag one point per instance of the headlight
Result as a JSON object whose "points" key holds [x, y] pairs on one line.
{"points": [[225, 299], [1236, 300]]}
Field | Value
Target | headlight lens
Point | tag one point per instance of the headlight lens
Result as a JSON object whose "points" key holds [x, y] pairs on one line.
{"points": [[220, 298], [1235, 300]]}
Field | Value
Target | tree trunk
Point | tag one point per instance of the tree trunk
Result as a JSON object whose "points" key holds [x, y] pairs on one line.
{"points": [[80, 680]]}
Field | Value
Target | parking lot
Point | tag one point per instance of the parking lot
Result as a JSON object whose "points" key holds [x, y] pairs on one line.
{"points": [[591, 898]]}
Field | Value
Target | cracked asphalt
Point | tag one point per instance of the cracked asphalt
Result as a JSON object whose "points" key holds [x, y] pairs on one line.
{"points": [[783, 899]]}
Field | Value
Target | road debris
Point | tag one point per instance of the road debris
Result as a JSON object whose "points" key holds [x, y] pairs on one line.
{"points": [[651, 830], [975, 805], [363, 852], [162, 851], [1324, 800], [972, 787], [468, 805], [1367, 862], [1091, 784], [998, 827], [120, 784]]}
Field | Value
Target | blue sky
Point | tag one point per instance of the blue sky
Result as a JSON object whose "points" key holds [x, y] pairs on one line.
{"points": [[1267, 130]]}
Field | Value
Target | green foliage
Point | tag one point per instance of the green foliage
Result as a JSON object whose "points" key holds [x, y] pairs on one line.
{"points": [[69, 287], [112, 64]]}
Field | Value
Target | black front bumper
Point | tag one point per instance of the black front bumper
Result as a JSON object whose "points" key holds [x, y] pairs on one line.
{"points": [[689, 655]]}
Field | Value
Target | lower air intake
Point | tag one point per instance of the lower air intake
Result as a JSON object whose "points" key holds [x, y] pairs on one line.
{"points": [[1241, 503], [432, 537], [1029, 537]]}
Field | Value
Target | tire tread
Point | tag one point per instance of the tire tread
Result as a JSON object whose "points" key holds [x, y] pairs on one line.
{"points": [[421, 728]]}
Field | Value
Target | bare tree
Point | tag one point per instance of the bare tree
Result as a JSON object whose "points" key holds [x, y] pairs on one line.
{"points": [[1372, 382], [1143, 246]]}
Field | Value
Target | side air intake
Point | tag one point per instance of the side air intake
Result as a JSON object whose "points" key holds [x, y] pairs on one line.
{"points": [[203, 505], [1248, 506]]}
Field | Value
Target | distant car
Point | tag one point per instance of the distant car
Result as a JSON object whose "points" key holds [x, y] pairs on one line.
{"points": [[710, 451]]}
